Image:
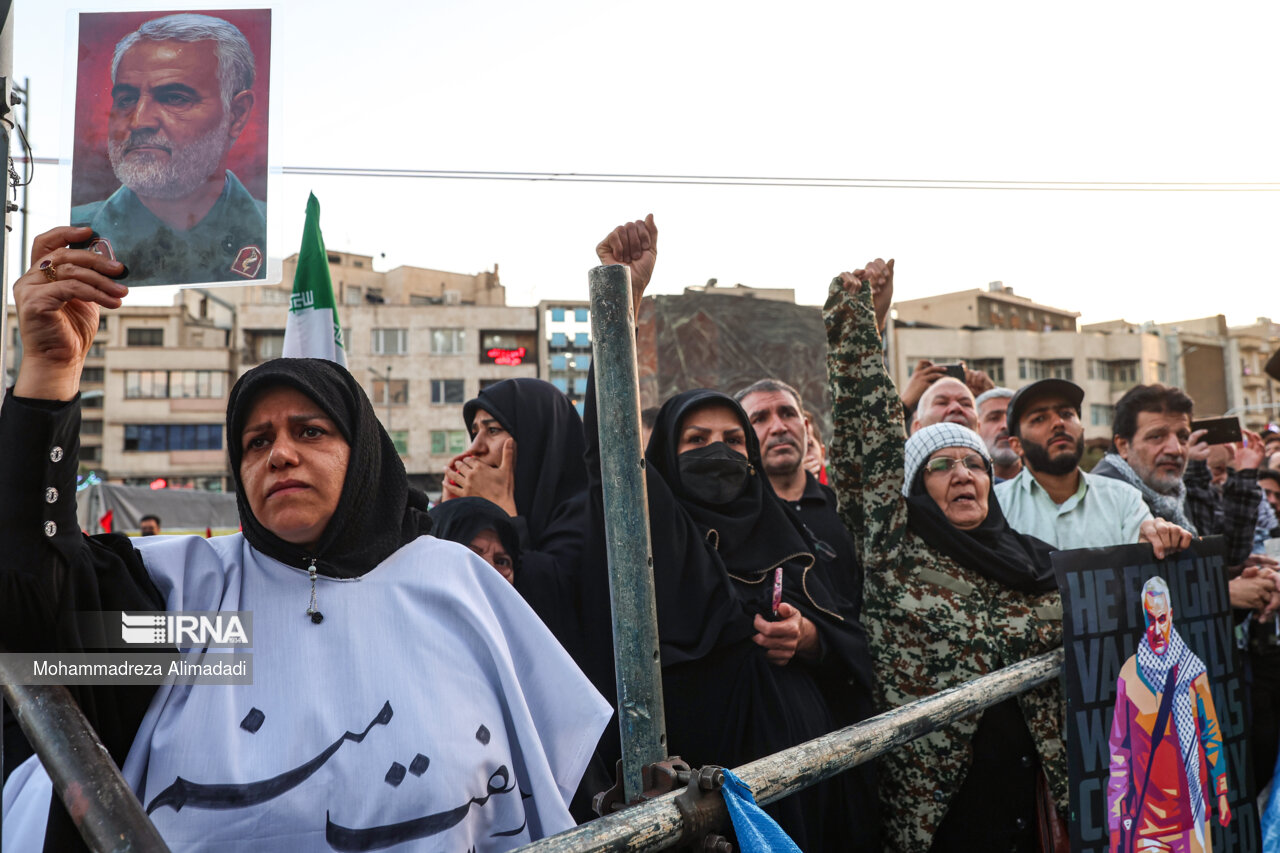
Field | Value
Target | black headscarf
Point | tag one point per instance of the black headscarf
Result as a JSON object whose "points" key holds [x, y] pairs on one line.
{"points": [[377, 513], [754, 532], [463, 519], [993, 549], [550, 470]]}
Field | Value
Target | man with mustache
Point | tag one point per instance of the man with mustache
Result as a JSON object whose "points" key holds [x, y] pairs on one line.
{"points": [[181, 94], [1051, 498], [776, 412], [993, 426], [1155, 451]]}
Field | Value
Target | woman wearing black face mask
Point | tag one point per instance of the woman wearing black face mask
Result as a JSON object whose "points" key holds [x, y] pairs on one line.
{"points": [[738, 682]]}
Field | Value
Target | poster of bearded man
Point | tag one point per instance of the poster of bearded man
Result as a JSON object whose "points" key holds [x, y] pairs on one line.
{"points": [[169, 165]]}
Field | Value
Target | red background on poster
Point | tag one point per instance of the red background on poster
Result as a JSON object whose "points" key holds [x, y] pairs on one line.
{"points": [[92, 178]]}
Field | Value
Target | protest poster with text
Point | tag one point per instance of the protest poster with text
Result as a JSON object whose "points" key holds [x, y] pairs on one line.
{"points": [[1157, 742]]}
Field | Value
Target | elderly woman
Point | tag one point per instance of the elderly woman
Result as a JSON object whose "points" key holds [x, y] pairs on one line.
{"points": [[742, 677], [402, 692], [952, 593]]}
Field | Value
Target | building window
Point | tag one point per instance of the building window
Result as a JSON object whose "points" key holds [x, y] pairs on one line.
{"points": [[97, 350], [208, 384], [447, 391], [580, 314], [354, 296], [582, 340], [399, 392], [447, 341], [390, 341], [1100, 415], [141, 384], [90, 453], [453, 441], [150, 438], [400, 438], [561, 383], [559, 362], [1162, 372], [1059, 369], [275, 296], [557, 315], [145, 337], [93, 427], [580, 386], [993, 367], [91, 400], [1097, 369], [92, 374], [268, 345]]}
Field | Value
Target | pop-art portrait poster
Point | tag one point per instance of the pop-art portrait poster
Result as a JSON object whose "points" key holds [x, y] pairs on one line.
{"points": [[1156, 703], [169, 162]]}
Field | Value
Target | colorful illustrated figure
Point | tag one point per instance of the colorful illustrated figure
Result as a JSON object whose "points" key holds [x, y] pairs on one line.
{"points": [[1166, 745]]}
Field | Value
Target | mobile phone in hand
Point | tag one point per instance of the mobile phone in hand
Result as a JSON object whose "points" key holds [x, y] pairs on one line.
{"points": [[956, 371], [1220, 430]]}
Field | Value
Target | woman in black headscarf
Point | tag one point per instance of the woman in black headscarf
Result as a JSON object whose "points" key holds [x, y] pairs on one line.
{"points": [[526, 457], [739, 680], [323, 499], [482, 526]]}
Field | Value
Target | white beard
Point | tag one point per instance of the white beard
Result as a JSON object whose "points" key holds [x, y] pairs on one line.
{"points": [[179, 174]]}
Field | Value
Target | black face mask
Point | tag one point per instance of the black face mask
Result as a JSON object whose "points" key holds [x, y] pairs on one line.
{"points": [[715, 474]]}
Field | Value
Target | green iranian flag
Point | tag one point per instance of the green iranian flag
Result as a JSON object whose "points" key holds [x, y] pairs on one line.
{"points": [[313, 330]]}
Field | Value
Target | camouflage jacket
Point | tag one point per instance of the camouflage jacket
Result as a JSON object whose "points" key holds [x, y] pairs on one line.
{"points": [[932, 623]]}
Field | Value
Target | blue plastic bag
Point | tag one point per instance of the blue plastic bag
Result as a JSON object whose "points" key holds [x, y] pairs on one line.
{"points": [[757, 832]]}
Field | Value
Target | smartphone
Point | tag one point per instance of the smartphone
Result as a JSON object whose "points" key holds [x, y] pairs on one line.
{"points": [[777, 591], [1220, 430], [953, 370]]}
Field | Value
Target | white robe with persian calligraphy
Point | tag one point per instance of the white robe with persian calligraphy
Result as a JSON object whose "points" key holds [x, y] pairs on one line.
{"points": [[489, 728]]}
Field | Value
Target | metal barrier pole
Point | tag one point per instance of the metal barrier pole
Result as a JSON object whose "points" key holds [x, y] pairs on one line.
{"points": [[654, 825], [100, 802], [626, 520]]}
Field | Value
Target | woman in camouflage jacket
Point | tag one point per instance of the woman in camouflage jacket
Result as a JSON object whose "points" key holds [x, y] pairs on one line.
{"points": [[935, 622]]}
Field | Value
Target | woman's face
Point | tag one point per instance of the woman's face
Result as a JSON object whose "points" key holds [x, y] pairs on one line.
{"points": [[489, 547], [294, 465], [961, 492], [708, 425], [487, 438]]}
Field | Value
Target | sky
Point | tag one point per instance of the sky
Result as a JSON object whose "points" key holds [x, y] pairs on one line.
{"points": [[981, 91]]}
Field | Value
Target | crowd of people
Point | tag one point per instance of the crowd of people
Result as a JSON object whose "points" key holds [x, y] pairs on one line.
{"points": [[476, 633]]}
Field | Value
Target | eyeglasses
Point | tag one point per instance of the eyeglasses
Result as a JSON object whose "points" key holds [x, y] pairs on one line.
{"points": [[944, 464]]}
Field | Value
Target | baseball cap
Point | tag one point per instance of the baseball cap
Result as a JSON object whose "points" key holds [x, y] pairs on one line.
{"points": [[1024, 396]]}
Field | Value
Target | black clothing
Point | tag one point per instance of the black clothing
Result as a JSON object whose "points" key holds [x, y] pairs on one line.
{"points": [[1004, 761], [463, 519], [550, 495], [713, 569], [817, 508], [362, 532], [48, 574], [993, 549]]}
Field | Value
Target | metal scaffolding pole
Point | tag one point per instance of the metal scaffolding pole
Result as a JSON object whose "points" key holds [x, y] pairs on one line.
{"points": [[654, 825], [626, 520], [103, 807]]}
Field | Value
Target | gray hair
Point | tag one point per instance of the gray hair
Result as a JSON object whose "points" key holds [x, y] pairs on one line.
{"points": [[1155, 587], [765, 386], [993, 394], [235, 57]]}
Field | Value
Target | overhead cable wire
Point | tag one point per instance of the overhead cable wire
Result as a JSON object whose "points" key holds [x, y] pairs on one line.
{"points": [[767, 181]]}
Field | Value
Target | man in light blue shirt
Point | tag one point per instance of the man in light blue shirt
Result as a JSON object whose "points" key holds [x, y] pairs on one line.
{"points": [[1051, 498]]}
